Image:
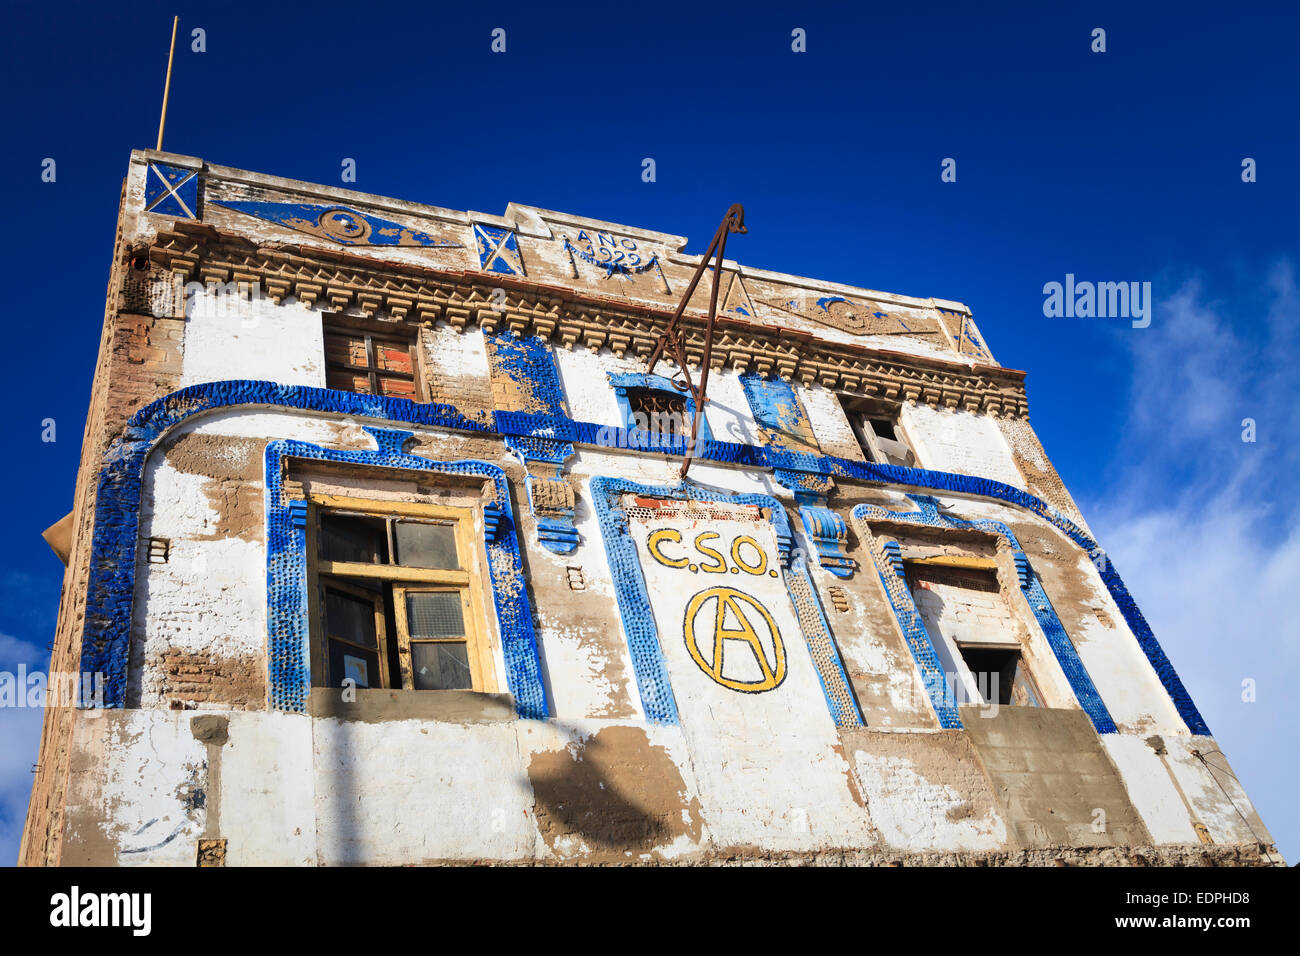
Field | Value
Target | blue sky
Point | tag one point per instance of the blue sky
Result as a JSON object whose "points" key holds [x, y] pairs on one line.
{"points": [[1122, 166]]}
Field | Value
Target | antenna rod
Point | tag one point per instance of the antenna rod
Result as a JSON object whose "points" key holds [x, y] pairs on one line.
{"points": [[162, 120]]}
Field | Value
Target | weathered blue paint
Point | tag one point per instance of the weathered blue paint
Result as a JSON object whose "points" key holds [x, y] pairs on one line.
{"points": [[110, 589], [828, 533], [1066, 655], [657, 383], [937, 686], [498, 250], [338, 223], [539, 436], [777, 408], [171, 191], [288, 630]]}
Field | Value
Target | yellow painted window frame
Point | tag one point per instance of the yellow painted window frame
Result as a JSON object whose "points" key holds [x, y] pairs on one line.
{"points": [[468, 579], [381, 621]]}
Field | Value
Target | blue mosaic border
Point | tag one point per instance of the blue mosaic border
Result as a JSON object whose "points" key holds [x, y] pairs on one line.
{"points": [[110, 590], [288, 630], [112, 570], [910, 620], [634, 601]]}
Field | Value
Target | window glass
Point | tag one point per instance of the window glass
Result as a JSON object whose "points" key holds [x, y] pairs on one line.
{"points": [[350, 618], [353, 538], [434, 614], [440, 666], [421, 544], [347, 662]]}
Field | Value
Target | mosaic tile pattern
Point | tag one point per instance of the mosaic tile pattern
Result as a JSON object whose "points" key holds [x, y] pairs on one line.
{"points": [[109, 597], [890, 565], [288, 647]]}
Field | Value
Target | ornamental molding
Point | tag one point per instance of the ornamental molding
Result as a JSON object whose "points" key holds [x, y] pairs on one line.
{"points": [[413, 296]]}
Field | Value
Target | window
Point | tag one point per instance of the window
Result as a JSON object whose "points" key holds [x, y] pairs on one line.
{"points": [[660, 413], [369, 363], [1001, 675], [876, 426], [961, 603], [397, 598]]}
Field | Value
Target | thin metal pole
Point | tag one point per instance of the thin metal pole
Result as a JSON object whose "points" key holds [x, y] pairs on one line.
{"points": [[162, 120]]}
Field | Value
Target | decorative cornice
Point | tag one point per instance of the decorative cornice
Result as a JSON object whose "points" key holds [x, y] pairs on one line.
{"points": [[339, 280]]}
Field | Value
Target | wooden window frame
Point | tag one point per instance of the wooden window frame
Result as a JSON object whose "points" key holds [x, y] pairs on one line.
{"points": [[467, 579], [474, 647], [381, 625], [860, 412], [371, 369]]}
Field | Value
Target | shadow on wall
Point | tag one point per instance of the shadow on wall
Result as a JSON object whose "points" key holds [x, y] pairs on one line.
{"points": [[612, 793]]}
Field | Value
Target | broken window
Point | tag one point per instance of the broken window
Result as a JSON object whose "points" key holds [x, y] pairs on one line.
{"points": [[397, 600], [875, 424], [360, 361]]}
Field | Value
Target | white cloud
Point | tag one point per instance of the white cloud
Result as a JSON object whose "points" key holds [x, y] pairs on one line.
{"points": [[1205, 528]]}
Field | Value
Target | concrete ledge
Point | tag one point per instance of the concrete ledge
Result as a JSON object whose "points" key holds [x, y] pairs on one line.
{"points": [[376, 705]]}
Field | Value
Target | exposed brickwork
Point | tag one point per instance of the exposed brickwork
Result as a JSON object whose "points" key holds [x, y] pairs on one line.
{"points": [[212, 853], [191, 679]]}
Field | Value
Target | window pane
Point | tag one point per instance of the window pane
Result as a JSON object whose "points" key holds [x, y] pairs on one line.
{"points": [[349, 618], [350, 662], [441, 667], [434, 614], [353, 538], [421, 545]]}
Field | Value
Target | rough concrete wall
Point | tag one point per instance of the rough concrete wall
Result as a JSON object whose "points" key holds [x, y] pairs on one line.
{"points": [[1176, 781], [200, 622], [139, 360], [925, 791], [289, 789], [588, 667], [959, 441], [1041, 479], [583, 373], [763, 745], [880, 667], [1123, 676], [1054, 783]]}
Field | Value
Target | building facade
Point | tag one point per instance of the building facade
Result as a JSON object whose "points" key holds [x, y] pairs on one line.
{"points": [[381, 554]]}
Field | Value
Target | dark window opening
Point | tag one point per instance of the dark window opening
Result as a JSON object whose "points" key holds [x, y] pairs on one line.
{"points": [[1001, 676], [875, 424], [658, 412]]}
